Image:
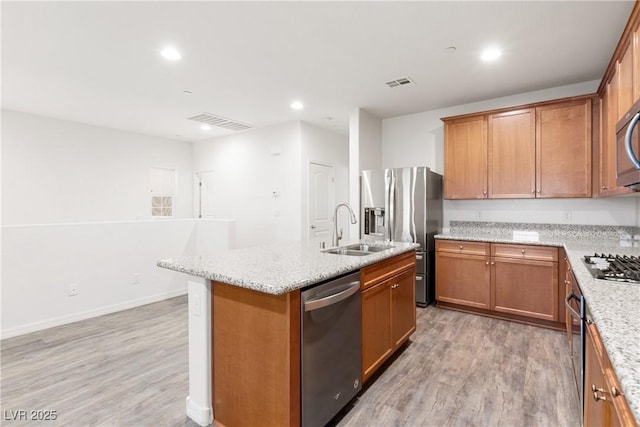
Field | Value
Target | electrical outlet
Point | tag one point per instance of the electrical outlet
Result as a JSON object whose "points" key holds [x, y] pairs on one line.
{"points": [[567, 215], [194, 303], [73, 289], [136, 279]]}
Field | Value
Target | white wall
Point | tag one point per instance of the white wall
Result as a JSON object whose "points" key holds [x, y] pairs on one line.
{"points": [[76, 209], [328, 148], [365, 152], [248, 168], [57, 171], [418, 139], [103, 260]]}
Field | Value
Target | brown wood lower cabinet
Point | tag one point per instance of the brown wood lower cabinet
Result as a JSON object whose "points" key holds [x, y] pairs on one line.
{"points": [[463, 279], [525, 288], [604, 401], [509, 280], [376, 327], [388, 317]]}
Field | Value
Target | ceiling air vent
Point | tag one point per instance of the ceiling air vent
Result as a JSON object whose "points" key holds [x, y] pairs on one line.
{"points": [[402, 81], [214, 120]]}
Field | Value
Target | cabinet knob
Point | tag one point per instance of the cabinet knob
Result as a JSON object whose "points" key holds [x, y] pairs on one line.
{"points": [[615, 392], [460, 246], [604, 187], [493, 263], [533, 191], [597, 397], [486, 263], [522, 251], [539, 192], [484, 193]]}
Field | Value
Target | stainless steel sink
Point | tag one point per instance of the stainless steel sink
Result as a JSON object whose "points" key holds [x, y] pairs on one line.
{"points": [[358, 249], [368, 248], [344, 251]]}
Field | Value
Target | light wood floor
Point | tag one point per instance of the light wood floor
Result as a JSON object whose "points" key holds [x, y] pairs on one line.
{"points": [[130, 369]]}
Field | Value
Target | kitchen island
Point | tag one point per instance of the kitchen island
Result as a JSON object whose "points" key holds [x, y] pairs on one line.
{"points": [[613, 305], [244, 324]]}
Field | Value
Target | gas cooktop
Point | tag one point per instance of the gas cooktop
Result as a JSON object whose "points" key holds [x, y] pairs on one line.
{"points": [[617, 268]]}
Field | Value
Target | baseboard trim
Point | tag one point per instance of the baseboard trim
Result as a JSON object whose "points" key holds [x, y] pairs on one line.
{"points": [[75, 317], [200, 414]]}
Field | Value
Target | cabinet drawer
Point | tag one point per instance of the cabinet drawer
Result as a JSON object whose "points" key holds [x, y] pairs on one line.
{"points": [[382, 270], [463, 247], [538, 253]]}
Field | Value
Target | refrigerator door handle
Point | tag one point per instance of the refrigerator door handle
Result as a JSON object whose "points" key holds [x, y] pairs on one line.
{"points": [[391, 207]]}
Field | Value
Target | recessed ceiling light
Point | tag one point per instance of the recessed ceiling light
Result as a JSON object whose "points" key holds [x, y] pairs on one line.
{"points": [[297, 105], [490, 54], [205, 127], [171, 54]]}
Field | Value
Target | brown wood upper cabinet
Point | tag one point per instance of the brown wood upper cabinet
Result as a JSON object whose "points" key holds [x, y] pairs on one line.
{"points": [[540, 150], [512, 154], [563, 149], [465, 158], [618, 91]]}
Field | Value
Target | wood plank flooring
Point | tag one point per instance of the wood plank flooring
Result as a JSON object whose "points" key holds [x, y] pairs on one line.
{"points": [[130, 369]]}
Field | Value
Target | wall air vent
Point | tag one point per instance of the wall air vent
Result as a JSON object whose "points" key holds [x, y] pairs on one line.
{"points": [[402, 81], [219, 121]]}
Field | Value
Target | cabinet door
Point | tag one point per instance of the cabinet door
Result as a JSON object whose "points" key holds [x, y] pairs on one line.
{"points": [[512, 154], [595, 405], [526, 288], [403, 306], [465, 158], [625, 81], [463, 279], [376, 327], [604, 177], [563, 149]]}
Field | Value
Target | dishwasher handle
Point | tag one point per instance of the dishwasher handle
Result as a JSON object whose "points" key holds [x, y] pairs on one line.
{"points": [[314, 304], [567, 304]]}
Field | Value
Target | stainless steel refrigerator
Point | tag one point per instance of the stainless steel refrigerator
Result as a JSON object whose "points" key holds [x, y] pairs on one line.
{"points": [[405, 205]]}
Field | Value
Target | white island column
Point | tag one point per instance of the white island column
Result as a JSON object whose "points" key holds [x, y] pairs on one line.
{"points": [[199, 400]]}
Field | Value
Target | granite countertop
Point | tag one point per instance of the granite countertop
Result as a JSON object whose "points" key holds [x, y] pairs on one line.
{"points": [[613, 306], [279, 268]]}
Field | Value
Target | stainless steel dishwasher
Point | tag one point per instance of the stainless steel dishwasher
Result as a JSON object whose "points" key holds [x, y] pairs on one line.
{"points": [[331, 352]]}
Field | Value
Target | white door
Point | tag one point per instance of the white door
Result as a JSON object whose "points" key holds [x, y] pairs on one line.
{"points": [[205, 194], [321, 200]]}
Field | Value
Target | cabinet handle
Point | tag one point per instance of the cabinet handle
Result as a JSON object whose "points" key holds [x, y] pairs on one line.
{"points": [[493, 263], [604, 187], [597, 397], [615, 392], [394, 286]]}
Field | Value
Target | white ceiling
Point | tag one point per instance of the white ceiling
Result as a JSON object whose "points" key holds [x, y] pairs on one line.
{"points": [[99, 62]]}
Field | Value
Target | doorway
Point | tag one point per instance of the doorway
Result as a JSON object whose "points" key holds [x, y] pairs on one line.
{"points": [[321, 198], [205, 194]]}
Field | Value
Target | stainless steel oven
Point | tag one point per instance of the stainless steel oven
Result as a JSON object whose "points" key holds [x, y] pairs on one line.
{"points": [[576, 329]]}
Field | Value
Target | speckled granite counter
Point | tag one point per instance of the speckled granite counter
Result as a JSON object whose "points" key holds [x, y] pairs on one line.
{"points": [[280, 268], [614, 306]]}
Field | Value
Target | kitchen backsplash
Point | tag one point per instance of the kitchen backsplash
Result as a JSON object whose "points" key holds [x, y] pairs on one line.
{"points": [[552, 230]]}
